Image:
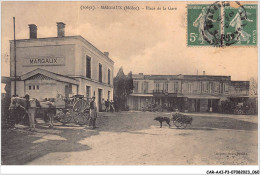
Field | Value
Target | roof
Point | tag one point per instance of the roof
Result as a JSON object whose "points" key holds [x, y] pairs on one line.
{"points": [[65, 37], [49, 74], [239, 96], [240, 84], [142, 95], [181, 77]]}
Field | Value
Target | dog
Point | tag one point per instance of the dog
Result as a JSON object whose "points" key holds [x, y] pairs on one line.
{"points": [[163, 119]]}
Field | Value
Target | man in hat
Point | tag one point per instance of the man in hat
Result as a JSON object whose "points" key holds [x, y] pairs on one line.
{"points": [[93, 113], [31, 110]]}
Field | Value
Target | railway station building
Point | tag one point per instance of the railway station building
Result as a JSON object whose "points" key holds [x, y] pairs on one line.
{"points": [[187, 93], [66, 65]]}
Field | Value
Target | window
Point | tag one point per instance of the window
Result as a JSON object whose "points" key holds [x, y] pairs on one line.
{"points": [[220, 88], [199, 86], [157, 86], [145, 85], [100, 73], [108, 95], [226, 87], [108, 76], [88, 91], [210, 88], [135, 86], [204, 87], [189, 88], [34, 87], [165, 87], [176, 87], [68, 90], [88, 67]]}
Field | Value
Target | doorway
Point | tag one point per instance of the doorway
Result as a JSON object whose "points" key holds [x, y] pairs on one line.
{"points": [[197, 105], [99, 100]]}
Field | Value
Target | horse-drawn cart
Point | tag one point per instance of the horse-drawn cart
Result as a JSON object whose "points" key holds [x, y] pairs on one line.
{"points": [[76, 108], [60, 109]]}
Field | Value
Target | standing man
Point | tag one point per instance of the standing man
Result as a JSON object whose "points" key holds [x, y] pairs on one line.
{"points": [[107, 105], [93, 113], [112, 109], [30, 109]]}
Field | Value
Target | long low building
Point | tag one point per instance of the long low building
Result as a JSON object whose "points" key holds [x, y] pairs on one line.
{"points": [[190, 93], [66, 65]]}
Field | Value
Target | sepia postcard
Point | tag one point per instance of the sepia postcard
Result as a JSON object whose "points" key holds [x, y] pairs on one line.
{"points": [[130, 83]]}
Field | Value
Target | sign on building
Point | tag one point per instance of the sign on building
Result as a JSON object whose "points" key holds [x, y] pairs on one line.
{"points": [[44, 61]]}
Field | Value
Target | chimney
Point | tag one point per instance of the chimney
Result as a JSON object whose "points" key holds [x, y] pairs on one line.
{"points": [[204, 73], [60, 29], [106, 53], [33, 31]]}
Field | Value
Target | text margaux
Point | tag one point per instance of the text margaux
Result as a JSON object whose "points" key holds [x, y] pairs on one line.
{"points": [[43, 60]]}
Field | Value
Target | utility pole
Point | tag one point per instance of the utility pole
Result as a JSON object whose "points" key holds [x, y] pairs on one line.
{"points": [[14, 59]]}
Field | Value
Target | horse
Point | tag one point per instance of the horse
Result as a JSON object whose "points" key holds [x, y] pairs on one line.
{"points": [[48, 109], [18, 110]]}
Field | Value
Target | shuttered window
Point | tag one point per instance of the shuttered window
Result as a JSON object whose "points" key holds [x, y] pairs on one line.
{"points": [[88, 67], [108, 76], [100, 73]]}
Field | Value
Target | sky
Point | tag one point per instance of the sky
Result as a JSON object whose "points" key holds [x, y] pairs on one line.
{"points": [[144, 41]]}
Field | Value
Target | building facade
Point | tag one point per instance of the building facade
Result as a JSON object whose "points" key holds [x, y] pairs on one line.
{"points": [[188, 93], [66, 65]]}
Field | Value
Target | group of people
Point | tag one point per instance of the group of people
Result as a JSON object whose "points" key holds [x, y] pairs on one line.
{"points": [[108, 106]]}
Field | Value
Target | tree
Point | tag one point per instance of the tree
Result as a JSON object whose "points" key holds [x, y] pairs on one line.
{"points": [[129, 83], [123, 86], [253, 87]]}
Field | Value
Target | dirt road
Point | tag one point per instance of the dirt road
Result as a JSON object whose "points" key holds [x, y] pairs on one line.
{"points": [[134, 138]]}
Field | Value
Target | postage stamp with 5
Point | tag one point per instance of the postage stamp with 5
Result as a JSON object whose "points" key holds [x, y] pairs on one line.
{"points": [[222, 24]]}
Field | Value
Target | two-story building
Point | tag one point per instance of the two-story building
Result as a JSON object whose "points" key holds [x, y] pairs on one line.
{"points": [[193, 93], [66, 65]]}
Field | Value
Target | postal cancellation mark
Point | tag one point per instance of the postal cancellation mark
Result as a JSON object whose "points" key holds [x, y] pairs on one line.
{"points": [[222, 24]]}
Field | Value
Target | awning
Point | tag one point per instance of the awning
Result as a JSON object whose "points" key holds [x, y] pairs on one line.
{"points": [[49, 74], [202, 97], [141, 95], [239, 97]]}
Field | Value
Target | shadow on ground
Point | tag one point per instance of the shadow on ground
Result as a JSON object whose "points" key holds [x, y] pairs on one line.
{"points": [[20, 146]]}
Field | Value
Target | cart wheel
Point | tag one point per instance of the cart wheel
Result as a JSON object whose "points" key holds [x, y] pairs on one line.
{"points": [[180, 125], [81, 118], [64, 118], [80, 106]]}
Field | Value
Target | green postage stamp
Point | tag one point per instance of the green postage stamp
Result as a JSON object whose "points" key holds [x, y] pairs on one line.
{"points": [[222, 24]]}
